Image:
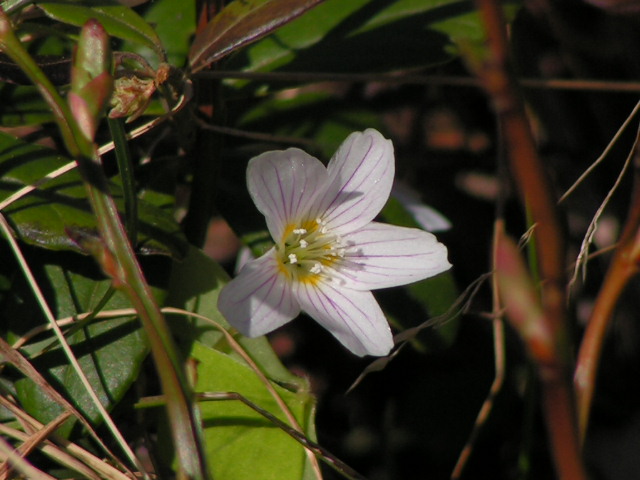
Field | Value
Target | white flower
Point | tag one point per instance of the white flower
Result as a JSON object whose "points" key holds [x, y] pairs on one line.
{"points": [[329, 253]]}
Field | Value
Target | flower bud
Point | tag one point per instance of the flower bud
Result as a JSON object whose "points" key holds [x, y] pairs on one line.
{"points": [[131, 96], [91, 80]]}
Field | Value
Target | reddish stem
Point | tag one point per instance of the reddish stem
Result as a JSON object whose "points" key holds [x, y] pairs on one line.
{"points": [[530, 177]]}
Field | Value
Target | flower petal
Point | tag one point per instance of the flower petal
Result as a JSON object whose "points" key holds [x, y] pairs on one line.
{"points": [[259, 299], [284, 184], [384, 256], [353, 317], [360, 179], [427, 217]]}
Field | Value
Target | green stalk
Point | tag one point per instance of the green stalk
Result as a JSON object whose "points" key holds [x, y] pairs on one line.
{"points": [[118, 260], [125, 167]]}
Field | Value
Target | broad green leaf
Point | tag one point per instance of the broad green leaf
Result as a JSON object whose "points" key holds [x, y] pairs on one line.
{"points": [[311, 29], [175, 24], [240, 23], [365, 36], [441, 13], [52, 215], [110, 352], [242, 444], [119, 21], [195, 284]]}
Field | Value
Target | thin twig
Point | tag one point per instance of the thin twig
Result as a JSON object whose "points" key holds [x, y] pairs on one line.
{"points": [[459, 307], [581, 260], [623, 267], [404, 78], [499, 366], [604, 154], [259, 136]]}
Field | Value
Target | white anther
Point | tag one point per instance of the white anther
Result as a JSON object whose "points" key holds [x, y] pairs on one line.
{"points": [[304, 244], [317, 268], [299, 231], [293, 258]]}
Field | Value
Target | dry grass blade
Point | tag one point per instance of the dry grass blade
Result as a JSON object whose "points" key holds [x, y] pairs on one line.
{"points": [[31, 442], [30, 188], [20, 464], [604, 154], [583, 255], [22, 364], [52, 452], [25, 367], [499, 367], [401, 339], [61, 450]]}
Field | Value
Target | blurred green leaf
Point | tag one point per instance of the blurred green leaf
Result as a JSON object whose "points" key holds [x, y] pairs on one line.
{"points": [[242, 444], [240, 23], [51, 215], [324, 119], [110, 352], [175, 24], [23, 105], [364, 36], [119, 21]]}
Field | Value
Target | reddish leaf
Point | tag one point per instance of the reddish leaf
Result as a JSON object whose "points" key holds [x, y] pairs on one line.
{"points": [[240, 23]]}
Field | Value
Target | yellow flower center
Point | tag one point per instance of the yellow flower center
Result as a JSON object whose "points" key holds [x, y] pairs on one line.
{"points": [[308, 249]]}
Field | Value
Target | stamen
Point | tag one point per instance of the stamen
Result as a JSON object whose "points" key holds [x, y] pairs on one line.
{"points": [[313, 250]]}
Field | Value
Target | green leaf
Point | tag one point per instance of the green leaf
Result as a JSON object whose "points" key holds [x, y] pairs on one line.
{"points": [[311, 29], [240, 23], [119, 21], [175, 24], [50, 216], [110, 352], [23, 105], [241, 444], [365, 36], [319, 117]]}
